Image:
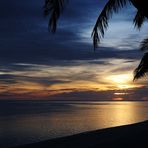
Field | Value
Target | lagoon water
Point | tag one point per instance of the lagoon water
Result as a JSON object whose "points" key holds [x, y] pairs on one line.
{"points": [[31, 121]]}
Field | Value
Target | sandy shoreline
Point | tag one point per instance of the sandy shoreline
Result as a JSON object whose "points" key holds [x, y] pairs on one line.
{"points": [[128, 136]]}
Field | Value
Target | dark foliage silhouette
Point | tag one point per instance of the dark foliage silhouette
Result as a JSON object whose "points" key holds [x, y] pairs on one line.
{"points": [[142, 69], [54, 8]]}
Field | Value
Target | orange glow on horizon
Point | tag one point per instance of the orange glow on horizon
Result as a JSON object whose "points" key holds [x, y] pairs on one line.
{"points": [[118, 99], [44, 81]]}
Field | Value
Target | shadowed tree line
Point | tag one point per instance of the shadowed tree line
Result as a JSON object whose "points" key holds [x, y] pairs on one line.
{"points": [[54, 8]]}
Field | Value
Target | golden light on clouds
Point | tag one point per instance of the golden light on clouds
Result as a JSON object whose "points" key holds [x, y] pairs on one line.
{"points": [[83, 76], [121, 81]]}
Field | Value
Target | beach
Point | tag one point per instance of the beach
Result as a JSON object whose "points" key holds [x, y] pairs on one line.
{"points": [[129, 136]]}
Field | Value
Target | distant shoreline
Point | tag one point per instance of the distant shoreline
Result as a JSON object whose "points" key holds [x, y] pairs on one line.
{"points": [[127, 136]]}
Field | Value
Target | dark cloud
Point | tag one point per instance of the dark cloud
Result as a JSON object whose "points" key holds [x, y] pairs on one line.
{"points": [[84, 95], [13, 79], [24, 36], [7, 79], [47, 56]]}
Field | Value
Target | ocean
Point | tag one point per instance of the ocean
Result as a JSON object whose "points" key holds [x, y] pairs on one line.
{"points": [[24, 122]]}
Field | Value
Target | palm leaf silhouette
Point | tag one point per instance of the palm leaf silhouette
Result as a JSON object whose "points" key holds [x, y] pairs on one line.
{"points": [[144, 45], [142, 69], [113, 6], [139, 19], [103, 19], [53, 8]]}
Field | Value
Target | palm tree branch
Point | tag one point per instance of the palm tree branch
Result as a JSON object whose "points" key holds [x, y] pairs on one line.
{"points": [[112, 6], [139, 19], [142, 69], [144, 45], [53, 8]]}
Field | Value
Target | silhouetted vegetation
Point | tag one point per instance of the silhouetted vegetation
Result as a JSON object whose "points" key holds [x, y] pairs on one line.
{"points": [[142, 69]]}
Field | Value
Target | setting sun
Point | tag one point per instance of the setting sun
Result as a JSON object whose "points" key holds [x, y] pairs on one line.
{"points": [[121, 81]]}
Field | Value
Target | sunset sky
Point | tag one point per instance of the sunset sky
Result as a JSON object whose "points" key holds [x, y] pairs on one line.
{"points": [[35, 64]]}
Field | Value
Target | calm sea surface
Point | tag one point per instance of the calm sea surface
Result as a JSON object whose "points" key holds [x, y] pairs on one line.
{"points": [[31, 121]]}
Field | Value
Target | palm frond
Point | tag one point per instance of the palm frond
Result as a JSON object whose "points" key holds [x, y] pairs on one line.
{"points": [[139, 19], [142, 69], [144, 45], [53, 8], [102, 21]]}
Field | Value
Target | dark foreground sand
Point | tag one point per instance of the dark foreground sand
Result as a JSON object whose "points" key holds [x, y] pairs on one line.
{"points": [[129, 136]]}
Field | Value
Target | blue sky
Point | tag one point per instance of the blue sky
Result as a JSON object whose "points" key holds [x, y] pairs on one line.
{"points": [[37, 64]]}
